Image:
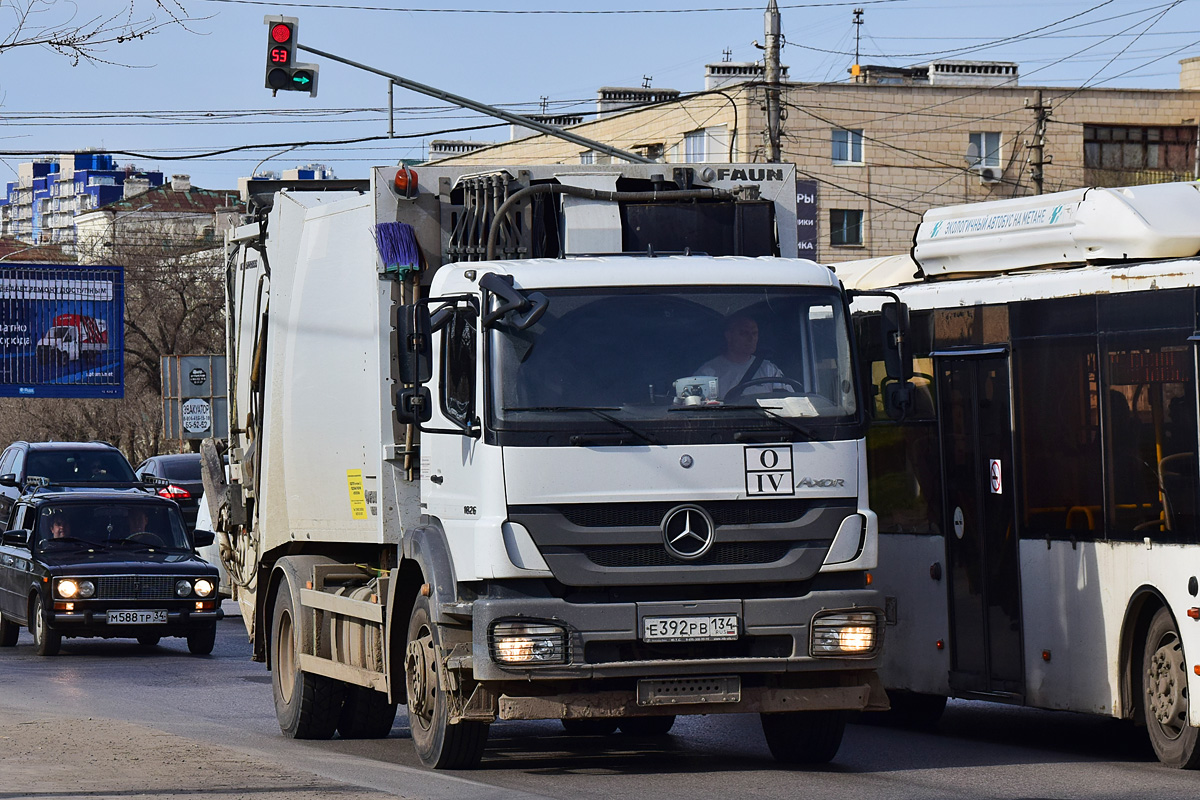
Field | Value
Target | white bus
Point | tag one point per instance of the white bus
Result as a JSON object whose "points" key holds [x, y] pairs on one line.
{"points": [[1039, 538]]}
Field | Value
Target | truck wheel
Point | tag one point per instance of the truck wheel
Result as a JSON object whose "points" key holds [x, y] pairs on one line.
{"points": [[202, 640], [307, 706], [45, 639], [804, 737], [590, 727], [1164, 682], [647, 726], [439, 743], [9, 631], [366, 714]]}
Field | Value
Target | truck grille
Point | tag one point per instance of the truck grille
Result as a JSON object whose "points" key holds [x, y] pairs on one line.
{"points": [[135, 587], [655, 555], [650, 515]]}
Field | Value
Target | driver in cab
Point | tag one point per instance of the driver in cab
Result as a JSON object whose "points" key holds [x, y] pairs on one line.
{"points": [[739, 364]]}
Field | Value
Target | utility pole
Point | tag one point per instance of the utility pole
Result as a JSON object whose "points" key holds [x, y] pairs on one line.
{"points": [[1037, 148], [858, 21], [771, 68]]}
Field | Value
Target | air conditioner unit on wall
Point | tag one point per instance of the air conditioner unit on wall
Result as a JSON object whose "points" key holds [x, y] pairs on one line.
{"points": [[990, 175]]}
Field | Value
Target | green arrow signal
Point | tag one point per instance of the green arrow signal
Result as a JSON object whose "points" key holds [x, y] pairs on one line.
{"points": [[301, 78]]}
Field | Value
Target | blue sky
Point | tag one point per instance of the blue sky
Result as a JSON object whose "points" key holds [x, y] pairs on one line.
{"points": [[199, 88]]}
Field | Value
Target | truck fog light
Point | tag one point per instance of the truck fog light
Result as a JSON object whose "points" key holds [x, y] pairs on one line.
{"points": [[183, 587], [845, 633], [68, 588], [87, 589], [204, 587], [528, 643]]}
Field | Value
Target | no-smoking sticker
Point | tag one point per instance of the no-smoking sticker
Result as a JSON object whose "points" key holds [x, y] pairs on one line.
{"points": [[995, 476]]}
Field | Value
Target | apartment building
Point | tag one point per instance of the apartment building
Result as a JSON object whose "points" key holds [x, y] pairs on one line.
{"points": [[874, 152]]}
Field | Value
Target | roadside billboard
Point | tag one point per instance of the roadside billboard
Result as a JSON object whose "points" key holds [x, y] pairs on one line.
{"points": [[62, 331], [194, 402]]}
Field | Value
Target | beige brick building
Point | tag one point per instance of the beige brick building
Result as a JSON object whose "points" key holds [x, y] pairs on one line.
{"points": [[894, 142]]}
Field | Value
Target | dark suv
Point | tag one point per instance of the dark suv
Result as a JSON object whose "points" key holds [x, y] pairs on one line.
{"points": [[62, 464], [108, 563]]}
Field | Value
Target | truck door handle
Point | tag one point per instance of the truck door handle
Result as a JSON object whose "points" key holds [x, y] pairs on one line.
{"points": [[436, 479]]}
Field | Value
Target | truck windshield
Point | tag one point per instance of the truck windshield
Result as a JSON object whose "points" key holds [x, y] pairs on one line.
{"points": [[656, 359]]}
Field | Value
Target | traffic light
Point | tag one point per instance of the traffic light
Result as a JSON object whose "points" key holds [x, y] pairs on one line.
{"points": [[283, 72]]}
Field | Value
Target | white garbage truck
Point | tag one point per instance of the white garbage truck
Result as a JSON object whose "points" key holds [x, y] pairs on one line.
{"points": [[547, 442]]}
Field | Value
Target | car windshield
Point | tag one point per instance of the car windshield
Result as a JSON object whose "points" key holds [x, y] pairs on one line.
{"points": [[662, 358], [80, 466], [111, 525]]}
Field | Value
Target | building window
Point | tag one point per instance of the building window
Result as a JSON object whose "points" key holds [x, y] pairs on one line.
{"points": [[987, 149], [694, 150], [1119, 149], [845, 226], [587, 157], [847, 146]]}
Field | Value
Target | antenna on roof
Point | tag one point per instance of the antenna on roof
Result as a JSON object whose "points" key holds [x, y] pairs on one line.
{"points": [[646, 81]]}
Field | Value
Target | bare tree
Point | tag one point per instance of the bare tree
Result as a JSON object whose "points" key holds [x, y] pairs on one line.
{"points": [[84, 30]]}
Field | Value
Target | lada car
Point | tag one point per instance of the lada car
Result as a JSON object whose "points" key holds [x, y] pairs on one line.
{"points": [[95, 464], [106, 563]]}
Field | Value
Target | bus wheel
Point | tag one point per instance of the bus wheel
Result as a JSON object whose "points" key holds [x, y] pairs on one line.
{"points": [[589, 727], [307, 706], [440, 744], [1164, 682], [804, 737]]}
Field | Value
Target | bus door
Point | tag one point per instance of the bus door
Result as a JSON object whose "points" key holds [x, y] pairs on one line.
{"points": [[979, 514]]}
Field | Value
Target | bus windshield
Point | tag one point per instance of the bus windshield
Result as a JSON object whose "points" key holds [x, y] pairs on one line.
{"points": [[663, 357]]}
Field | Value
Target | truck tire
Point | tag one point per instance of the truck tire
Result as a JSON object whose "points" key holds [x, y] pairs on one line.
{"points": [[9, 632], [439, 743], [202, 640], [648, 726], [366, 714], [46, 640], [804, 737], [1165, 696], [307, 706]]}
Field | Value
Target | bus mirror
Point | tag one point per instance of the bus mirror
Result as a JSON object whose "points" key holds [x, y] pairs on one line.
{"points": [[415, 344], [897, 355]]}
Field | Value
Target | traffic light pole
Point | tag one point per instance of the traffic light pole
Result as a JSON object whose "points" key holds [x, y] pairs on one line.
{"points": [[483, 108]]}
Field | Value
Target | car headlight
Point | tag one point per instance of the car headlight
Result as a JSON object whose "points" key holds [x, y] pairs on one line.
{"points": [[67, 588], [204, 587], [183, 587], [845, 633], [87, 589], [528, 643]]}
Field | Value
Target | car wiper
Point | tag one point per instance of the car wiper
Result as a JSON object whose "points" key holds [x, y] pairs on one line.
{"points": [[599, 411], [765, 412], [73, 542]]}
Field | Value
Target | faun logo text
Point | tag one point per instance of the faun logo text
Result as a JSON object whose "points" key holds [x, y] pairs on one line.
{"points": [[739, 174]]}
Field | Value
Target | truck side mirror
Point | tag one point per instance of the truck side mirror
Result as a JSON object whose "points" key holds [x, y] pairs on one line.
{"points": [[414, 405], [9, 479], [18, 537], [415, 344], [897, 359]]}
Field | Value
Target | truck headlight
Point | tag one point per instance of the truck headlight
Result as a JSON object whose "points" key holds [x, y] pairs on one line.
{"points": [[528, 643], [845, 633]]}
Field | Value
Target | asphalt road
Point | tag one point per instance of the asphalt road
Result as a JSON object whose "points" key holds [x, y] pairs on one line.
{"points": [[192, 719]]}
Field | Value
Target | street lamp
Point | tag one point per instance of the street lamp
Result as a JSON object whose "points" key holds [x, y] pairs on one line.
{"points": [[6, 256]]}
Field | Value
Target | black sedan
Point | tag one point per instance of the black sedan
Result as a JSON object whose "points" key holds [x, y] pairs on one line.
{"points": [[104, 563], [184, 486]]}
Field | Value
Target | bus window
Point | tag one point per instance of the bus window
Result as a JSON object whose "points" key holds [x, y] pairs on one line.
{"points": [[1058, 425], [1150, 445]]}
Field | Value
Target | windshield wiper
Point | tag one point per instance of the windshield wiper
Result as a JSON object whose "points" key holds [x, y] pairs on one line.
{"points": [[765, 412], [63, 542], [599, 411]]}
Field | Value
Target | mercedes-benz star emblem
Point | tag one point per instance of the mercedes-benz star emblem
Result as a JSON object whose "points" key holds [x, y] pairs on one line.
{"points": [[687, 532]]}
